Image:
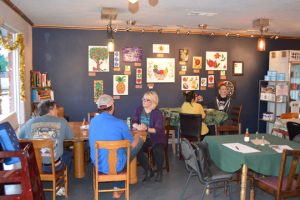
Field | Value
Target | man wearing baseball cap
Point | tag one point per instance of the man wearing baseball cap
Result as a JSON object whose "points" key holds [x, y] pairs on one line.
{"points": [[109, 128]]}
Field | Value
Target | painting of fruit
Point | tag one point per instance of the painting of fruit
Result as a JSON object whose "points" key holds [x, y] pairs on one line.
{"points": [[216, 60], [98, 59], [189, 82], [161, 48], [120, 85], [160, 70], [197, 62]]}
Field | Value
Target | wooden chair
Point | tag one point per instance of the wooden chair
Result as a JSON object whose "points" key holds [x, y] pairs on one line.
{"points": [[91, 115], [58, 178], [27, 175], [283, 186], [170, 132], [235, 125], [113, 175], [190, 126]]}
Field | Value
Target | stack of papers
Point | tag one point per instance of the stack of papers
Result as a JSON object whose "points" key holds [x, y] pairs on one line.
{"points": [[279, 148], [240, 148]]}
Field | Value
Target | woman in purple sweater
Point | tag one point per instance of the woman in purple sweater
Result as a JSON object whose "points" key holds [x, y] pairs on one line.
{"points": [[148, 117]]}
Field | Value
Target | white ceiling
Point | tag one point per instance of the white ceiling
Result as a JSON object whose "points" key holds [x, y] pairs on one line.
{"points": [[231, 15]]}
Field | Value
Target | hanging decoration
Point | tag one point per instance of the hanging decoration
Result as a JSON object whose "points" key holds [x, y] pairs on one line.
{"points": [[12, 46]]}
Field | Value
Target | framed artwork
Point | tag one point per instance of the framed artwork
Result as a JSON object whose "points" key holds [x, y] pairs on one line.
{"points": [[216, 60], [132, 54], [203, 82], [98, 59], [197, 62], [160, 70], [238, 68], [183, 55], [117, 59], [98, 89], [120, 85], [161, 48], [189, 82], [211, 79]]}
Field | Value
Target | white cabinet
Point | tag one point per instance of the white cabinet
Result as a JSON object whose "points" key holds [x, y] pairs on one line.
{"points": [[288, 62]]}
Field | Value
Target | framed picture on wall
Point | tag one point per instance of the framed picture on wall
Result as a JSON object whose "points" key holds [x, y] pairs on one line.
{"points": [[238, 68]]}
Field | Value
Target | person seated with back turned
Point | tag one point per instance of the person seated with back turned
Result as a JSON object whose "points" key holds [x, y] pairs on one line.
{"points": [[147, 117], [106, 127], [222, 102], [190, 106], [48, 126]]}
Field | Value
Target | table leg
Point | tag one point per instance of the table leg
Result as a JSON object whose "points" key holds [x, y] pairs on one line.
{"points": [[133, 179], [244, 182], [79, 170], [173, 142]]}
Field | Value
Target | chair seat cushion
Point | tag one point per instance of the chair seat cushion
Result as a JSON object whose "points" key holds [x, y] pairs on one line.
{"points": [[217, 173], [272, 182]]}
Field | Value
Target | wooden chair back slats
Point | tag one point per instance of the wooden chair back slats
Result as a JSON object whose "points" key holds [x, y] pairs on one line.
{"points": [[112, 147], [58, 178], [286, 186], [235, 125]]}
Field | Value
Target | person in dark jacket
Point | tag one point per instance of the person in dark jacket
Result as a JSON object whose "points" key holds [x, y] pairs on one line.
{"points": [[223, 99], [148, 117]]}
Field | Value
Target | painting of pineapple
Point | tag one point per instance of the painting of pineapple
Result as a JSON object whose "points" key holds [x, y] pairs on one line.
{"points": [[120, 85]]}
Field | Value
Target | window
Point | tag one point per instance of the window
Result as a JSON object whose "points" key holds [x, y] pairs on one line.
{"points": [[9, 71]]}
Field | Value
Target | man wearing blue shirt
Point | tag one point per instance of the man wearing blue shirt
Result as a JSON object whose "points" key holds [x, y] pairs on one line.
{"points": [[106, 127]]}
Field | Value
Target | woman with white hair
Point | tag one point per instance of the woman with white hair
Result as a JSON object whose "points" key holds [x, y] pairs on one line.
{"points": [[147, 117]]}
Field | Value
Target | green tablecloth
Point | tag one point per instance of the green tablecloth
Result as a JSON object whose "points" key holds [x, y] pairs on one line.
{"points": [[266, 162], [213, 117]]}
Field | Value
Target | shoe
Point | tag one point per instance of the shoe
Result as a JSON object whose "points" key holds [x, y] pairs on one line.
{"points": [[61, 192], [117, 195], [159, 176], [148, 175]]}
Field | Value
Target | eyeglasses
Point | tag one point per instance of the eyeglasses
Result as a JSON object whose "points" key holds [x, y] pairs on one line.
{"points": [[147, 100]]}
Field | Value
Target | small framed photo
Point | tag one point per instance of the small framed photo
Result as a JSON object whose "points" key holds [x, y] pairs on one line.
{"points": [[238, 68]]}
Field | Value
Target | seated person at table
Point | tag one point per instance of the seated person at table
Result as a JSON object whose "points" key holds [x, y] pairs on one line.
{"points": [[190, 106], [148, 117], [109, 128], [222, 102], [48, 126]]}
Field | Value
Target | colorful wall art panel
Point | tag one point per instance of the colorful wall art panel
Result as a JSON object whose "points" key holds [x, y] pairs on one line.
{"points": [[216, 60], [161, 48], [98, 59], [189, 82], [120, 84], [183, 55], [160, 70], [139, 76], [203, 82], [98, 89], [211, 79], [132, 54], [117, 59], [197, 62]]}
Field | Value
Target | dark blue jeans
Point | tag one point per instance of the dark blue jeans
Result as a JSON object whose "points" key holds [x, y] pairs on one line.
{"points": [[66, 160]]}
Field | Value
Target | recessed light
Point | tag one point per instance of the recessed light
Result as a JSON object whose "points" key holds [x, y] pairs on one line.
{"points": [[227, 34], [199, 13]]}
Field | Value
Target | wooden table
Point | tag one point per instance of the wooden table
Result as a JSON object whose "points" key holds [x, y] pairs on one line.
{"points": [[266, 161], [82, 135]]}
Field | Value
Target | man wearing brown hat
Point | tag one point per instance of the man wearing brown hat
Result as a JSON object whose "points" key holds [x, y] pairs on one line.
{"points": [[109, 128]]}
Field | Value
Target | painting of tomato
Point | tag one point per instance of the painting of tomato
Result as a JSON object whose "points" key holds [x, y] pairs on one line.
{"points": [[197, 62], [216, 60]]}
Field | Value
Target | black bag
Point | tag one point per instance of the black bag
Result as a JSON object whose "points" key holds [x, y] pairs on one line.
{"points": [[203, 158]]}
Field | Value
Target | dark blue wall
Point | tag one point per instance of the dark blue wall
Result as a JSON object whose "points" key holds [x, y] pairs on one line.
{"points": [[63, 54]]}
